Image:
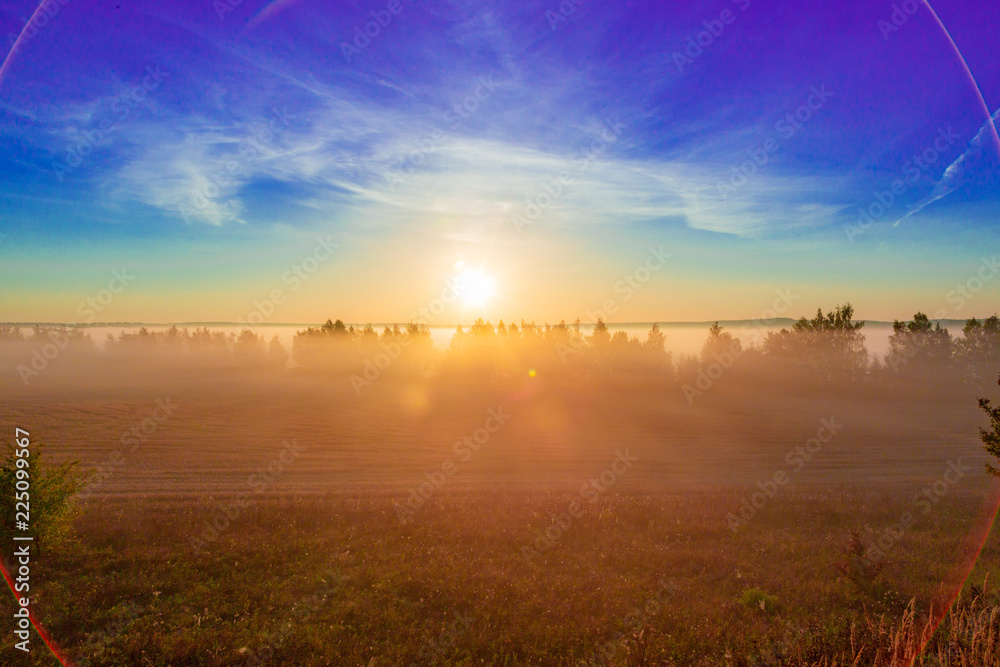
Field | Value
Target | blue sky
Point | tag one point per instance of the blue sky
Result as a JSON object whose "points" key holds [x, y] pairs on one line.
{"points": [[207, 146]]}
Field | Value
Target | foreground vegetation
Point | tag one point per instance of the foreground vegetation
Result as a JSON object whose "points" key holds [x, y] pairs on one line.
{"points": [[340, 580], [166, 558]]}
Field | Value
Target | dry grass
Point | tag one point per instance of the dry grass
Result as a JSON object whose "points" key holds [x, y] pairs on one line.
{"points": [[131, 590], [317, 569], [968, 636]]}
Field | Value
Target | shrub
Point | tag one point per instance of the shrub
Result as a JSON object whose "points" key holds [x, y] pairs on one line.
{"points": [[756, 598], [858, 567], [51, 490]]}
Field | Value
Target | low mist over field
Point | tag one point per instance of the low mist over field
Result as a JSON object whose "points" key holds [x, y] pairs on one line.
{"points": [[387, 473], [379, 409], [684, 337], [535, 333]]}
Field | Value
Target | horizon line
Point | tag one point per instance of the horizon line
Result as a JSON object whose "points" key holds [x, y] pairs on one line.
{"points": [[82, 325]]}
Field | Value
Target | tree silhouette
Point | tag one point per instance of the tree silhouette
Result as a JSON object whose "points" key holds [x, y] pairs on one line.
{"points": [[337, 328], [249, 349], [831, 346], [719, 342], [919, 345], [277, 355], [991, 438], [10, 332], [600, 335], [979, 348], [655, 348]]}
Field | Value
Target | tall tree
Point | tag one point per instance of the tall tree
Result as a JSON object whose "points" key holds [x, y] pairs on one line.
{"points": [[719, 343], [830, 346], [919, 345], [991, 438], [978, 350], [600, 335]]}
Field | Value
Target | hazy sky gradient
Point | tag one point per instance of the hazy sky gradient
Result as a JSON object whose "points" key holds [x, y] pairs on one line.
{"points": [[315, 141]]}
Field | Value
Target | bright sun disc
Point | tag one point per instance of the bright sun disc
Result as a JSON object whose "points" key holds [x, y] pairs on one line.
{"points": [[475, 288]]}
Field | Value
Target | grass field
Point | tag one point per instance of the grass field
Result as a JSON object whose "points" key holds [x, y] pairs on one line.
{"points": [[283, 519]]}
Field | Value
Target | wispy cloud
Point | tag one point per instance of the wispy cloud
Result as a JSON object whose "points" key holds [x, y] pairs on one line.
{"points": [[346, 149], [954, 176], [350, 126]]}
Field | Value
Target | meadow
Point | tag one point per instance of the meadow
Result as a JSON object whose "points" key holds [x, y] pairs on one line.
{"points": [[255, 514]]}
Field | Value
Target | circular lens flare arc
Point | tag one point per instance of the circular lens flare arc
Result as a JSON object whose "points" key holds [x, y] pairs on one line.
{"points": [[49, 642], [965, 65], [17, 42]]}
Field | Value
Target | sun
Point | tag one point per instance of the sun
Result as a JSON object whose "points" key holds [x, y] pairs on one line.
{"points": [[475, 287]]}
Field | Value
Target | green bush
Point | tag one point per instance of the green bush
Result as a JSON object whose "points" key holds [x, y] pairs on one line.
{"points": [[51, 490], [758, 599], [857, 566]]}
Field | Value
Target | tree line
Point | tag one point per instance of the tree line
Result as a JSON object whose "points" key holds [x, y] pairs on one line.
{"points": [[827, 349]]}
